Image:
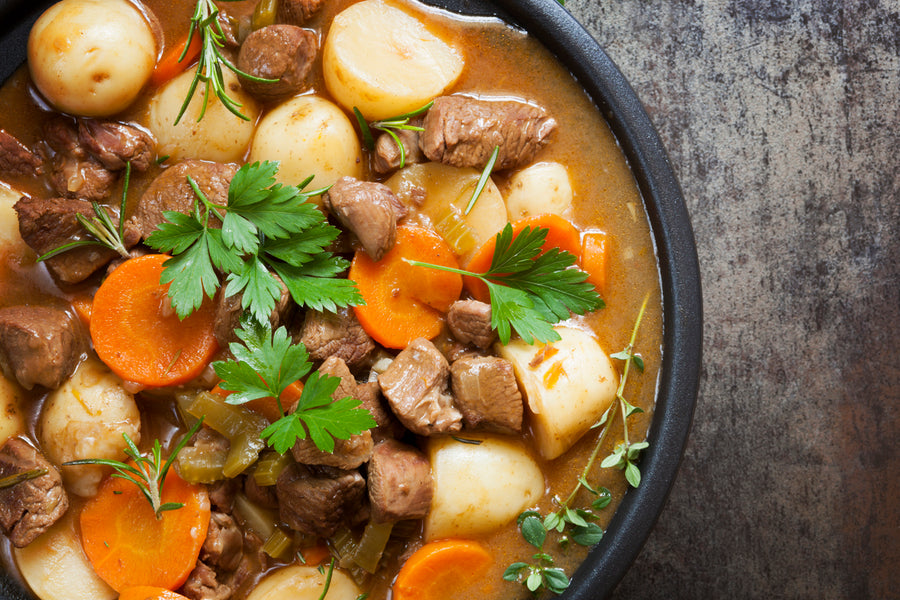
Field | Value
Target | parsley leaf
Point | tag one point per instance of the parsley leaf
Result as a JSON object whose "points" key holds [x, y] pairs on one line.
{"points": [[265, 364], [267, 229]]}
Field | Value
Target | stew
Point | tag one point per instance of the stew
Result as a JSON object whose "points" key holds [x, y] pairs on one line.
{"points": [[312, 295]]}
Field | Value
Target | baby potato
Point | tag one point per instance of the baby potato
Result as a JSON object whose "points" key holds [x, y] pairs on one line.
{"points": [[56, 568], [568, 385], [220, 136], [304, 583], [479, 487], [308, 135], [91, 57], [11, 243], [12, 422], [539, 189], [385, 61], [448, 191], [85, 418]]}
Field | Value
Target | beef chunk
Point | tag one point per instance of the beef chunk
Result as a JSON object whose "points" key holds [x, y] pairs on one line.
{"points": [[205, 584], [486, 392], [171, 191], [261, 495], [48, 224], [229, 311], [388, 427], [348, 454], [30, 507], [470, 322], [16, 158], [463, 132], [319, 502], [387, 153], [369, 209], [114, 144], [400, 485], [416, 386], [281, 52], [224, 543], [222, 493], [336, 334], [40, 345], [298, 12]]}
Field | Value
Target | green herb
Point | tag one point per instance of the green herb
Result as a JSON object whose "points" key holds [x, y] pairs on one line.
{"points": [[327, 578], [205, 23], [482, 181], [17, 478], [100, 226], [268, 229], [531, 291], [390, 126], [265, 365], [539, 574], [148, 472]]}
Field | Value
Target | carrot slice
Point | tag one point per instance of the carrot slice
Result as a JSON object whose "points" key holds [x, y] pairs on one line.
{"points": [[438, 569], [136, 335], [148, 592], [82, 305], [169, 66], [404, 302], [594, 258], [561, 234], [128, 546]]}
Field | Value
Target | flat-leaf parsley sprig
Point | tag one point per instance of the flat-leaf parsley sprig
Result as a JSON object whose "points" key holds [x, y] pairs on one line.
{"points": [[267, 229], [531, 291], [265, 365]]}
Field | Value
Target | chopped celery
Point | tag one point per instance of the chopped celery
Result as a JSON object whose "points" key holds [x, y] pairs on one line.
{"points": [[241, 426], [453, 228], [264, 14], [269, 467], [197, 465], [343, 546], [257, 519], [371, 545], [278, 545]]}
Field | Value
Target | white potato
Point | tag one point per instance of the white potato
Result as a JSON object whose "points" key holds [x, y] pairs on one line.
{"points": [[308, 135], [568, 385], [85, 418], [539, 189], [56, 568], [386, 62], [12, 421], [448, 191], [220, 136], [91, 57], [304, 583], [11, 243], [478, 488]]}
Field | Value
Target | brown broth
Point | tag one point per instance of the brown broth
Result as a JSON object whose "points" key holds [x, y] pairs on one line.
{"points": [[500, 61]]}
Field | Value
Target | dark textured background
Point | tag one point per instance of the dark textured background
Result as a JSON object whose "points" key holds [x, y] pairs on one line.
{"points": [[781, 119]]}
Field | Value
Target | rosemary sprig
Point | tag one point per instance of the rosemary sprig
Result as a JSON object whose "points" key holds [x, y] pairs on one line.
{"points": [[390, 126], [482, 181], [101, 227], [148, 473], [17, 478]]}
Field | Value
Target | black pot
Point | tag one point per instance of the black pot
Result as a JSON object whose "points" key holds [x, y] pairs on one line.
{"points": [[671, 228]]}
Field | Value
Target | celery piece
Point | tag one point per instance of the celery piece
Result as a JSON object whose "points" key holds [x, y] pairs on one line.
{"points": [[278, 545], [269, 467], [371, 545], [259, 520], [241, 426], [197, 465]]}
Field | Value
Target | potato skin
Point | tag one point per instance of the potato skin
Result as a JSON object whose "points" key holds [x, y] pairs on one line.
{"points": [[91, 57], [302, 582], [540, 188]]}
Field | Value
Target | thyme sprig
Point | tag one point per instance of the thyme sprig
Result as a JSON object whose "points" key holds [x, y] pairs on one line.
{"points": [[148, 472], [390, 126]]}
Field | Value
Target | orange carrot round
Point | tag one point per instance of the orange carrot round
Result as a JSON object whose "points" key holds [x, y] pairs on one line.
{"points": [[128, 546], [169, 66], [594, 258], [139, 337], [404, 302], [436, 569], [561, 234], [149, 592]]}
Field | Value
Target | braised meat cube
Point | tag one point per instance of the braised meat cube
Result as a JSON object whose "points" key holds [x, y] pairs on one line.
{"points": [[416, 385], [115, 144], [400, 484], [224, 542], [48, 224], [30, 507], [337, 334], [204, 584], [298, 12], [16, 158], [370, 396], [40, 345], [486, 392], [317, 502], [470, 322], [387, 152], [369, 209], [462, 132], [284, 53]]}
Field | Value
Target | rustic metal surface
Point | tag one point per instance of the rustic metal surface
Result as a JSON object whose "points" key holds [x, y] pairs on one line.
{"points": [[782, 121]]}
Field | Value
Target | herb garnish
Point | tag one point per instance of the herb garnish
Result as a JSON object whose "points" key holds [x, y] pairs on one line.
{"points": [[576, 524], [205, 23], [148, 473], [268, 229], [389, 126], [17, 478], [531, 291], [482, 181], [265, 365]]}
